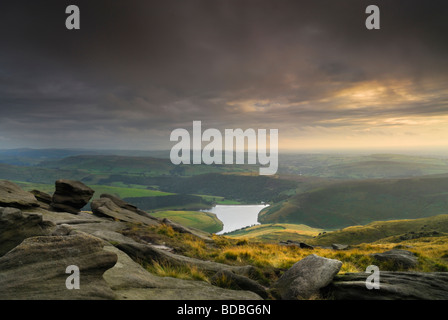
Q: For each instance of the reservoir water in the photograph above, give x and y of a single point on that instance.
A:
(237, 216)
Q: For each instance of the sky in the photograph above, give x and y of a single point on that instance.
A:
(136, 70)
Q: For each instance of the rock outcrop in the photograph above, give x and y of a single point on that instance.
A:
(11, 195)
(124, 205)
(338, 246)
(39, 241)
(36, 269)
(15, 226)
(301, 245)
(106, 207)
(44, 199)
(130, 281)
(306, 277)
(70, 196)
(393, 286)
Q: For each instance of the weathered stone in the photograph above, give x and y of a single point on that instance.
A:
(105, 207)
(148, 253)
(301, 245)
(62, 230)
(71, 196)
(36, 269)
(123, 204)
(306, 277)
(42, 196)
(15, 226)
(337, 246)
(11, 195)
(393, 286)
(132, 282)
(400, 258)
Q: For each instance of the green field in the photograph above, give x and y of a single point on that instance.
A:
(205, 221)
(276, 232)
(121, 192)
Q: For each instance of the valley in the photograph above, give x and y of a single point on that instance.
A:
(332, 212)
(348, 196)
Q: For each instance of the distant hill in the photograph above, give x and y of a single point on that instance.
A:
(387, 231)
(139, 165)
(351, 166)
(360, 202)
(381, 169)
(30, 157)
(394, 231)
(247, 188)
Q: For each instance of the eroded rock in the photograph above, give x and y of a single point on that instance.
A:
(306, 277)
(130, 281)
(71, 196)
(393, 286)
(105, 207)
(36, 269)
(11, 195)
(15, 226)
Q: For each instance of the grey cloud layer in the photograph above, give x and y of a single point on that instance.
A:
(138, 69)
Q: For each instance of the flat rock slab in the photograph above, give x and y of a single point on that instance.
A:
(393, 286)
(15, 226)
(11, 195)
(36, 269)
(130, 281)
(105, 207)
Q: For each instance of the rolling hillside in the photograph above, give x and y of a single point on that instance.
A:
(387, 231)
(351, 166)
(141, 166)
(360, 202)
(394, 231)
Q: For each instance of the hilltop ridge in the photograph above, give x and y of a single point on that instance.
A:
(123, 252)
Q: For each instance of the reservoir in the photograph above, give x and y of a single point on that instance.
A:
(237, 216)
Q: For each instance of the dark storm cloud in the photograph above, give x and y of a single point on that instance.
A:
(138, 69)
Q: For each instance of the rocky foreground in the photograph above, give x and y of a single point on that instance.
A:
(41, 235)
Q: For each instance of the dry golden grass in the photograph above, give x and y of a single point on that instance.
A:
(180, 272)
(431, 252)
(271, 259)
